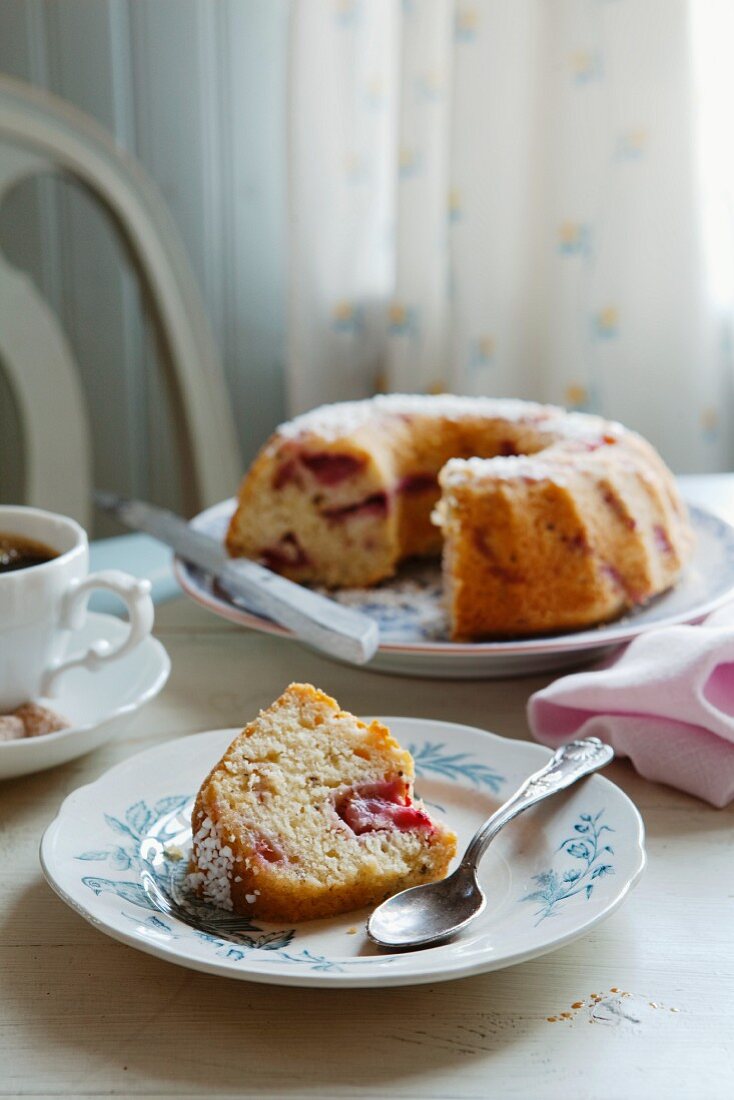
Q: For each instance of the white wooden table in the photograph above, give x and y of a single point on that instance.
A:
(82, 1015)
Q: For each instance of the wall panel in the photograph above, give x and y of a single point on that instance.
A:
(196, 90)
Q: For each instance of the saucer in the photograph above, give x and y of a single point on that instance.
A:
(98, 704)
(549, 877)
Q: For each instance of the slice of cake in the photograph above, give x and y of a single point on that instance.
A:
(310, 813)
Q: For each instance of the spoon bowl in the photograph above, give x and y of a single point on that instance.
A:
(423, 916)
(453, 901)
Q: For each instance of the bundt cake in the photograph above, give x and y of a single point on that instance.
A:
(310, 813)
(548, 520)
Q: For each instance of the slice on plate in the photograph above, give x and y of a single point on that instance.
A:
(310, 813)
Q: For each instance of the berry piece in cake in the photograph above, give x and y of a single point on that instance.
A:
(310, 813)
(332, 469)
(383, 805)
(375, 505)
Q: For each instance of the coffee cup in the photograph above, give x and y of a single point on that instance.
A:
(43, 604)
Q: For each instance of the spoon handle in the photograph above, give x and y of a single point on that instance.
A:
(567, 765)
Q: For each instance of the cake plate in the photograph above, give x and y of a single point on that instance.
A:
(549, 877)
(413, 626)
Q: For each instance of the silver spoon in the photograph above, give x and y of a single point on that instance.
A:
(426, 915)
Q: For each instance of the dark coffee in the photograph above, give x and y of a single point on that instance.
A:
(18, 552)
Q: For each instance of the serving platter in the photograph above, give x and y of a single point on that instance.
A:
(550, 877)
(413, 628)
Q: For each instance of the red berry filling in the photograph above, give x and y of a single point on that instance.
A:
(375, 505)
(288, 554)
(417, 483)
(577, 542)
(594, 444)
(662, 542)
(331, 469)
(384, 805)
(287, 473)
(614, 575)
(617, 506)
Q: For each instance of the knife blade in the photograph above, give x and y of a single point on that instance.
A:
(320, 622)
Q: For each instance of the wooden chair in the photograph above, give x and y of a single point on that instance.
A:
(40, 133)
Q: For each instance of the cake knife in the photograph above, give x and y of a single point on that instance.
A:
(320, 622)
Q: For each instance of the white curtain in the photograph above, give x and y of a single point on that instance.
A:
(518, 198)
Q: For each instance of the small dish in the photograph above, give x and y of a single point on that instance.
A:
(414, 641)
(98, 705)
(551, 876)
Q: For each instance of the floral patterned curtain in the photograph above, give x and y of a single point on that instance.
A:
(510, 197)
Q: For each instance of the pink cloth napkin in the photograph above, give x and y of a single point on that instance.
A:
(666, 701)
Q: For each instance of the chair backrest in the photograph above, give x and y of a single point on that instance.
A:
(40, 133)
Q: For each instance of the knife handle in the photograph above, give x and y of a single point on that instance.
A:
(339, 631)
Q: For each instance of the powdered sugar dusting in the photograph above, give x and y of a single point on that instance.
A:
(458, 471)
(583, 427)
(215, 863)
(331, 422)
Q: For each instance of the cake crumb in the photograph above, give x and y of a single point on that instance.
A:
(172, 851)
(352, 931)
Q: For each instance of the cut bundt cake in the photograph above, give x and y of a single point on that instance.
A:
(310, 813)
(548, 520)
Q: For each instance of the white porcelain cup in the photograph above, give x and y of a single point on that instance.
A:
(41, 606)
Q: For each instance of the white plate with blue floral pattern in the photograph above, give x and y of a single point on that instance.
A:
(550, 876)
(414, 637)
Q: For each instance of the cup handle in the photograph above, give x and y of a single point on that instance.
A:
(134, 592)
